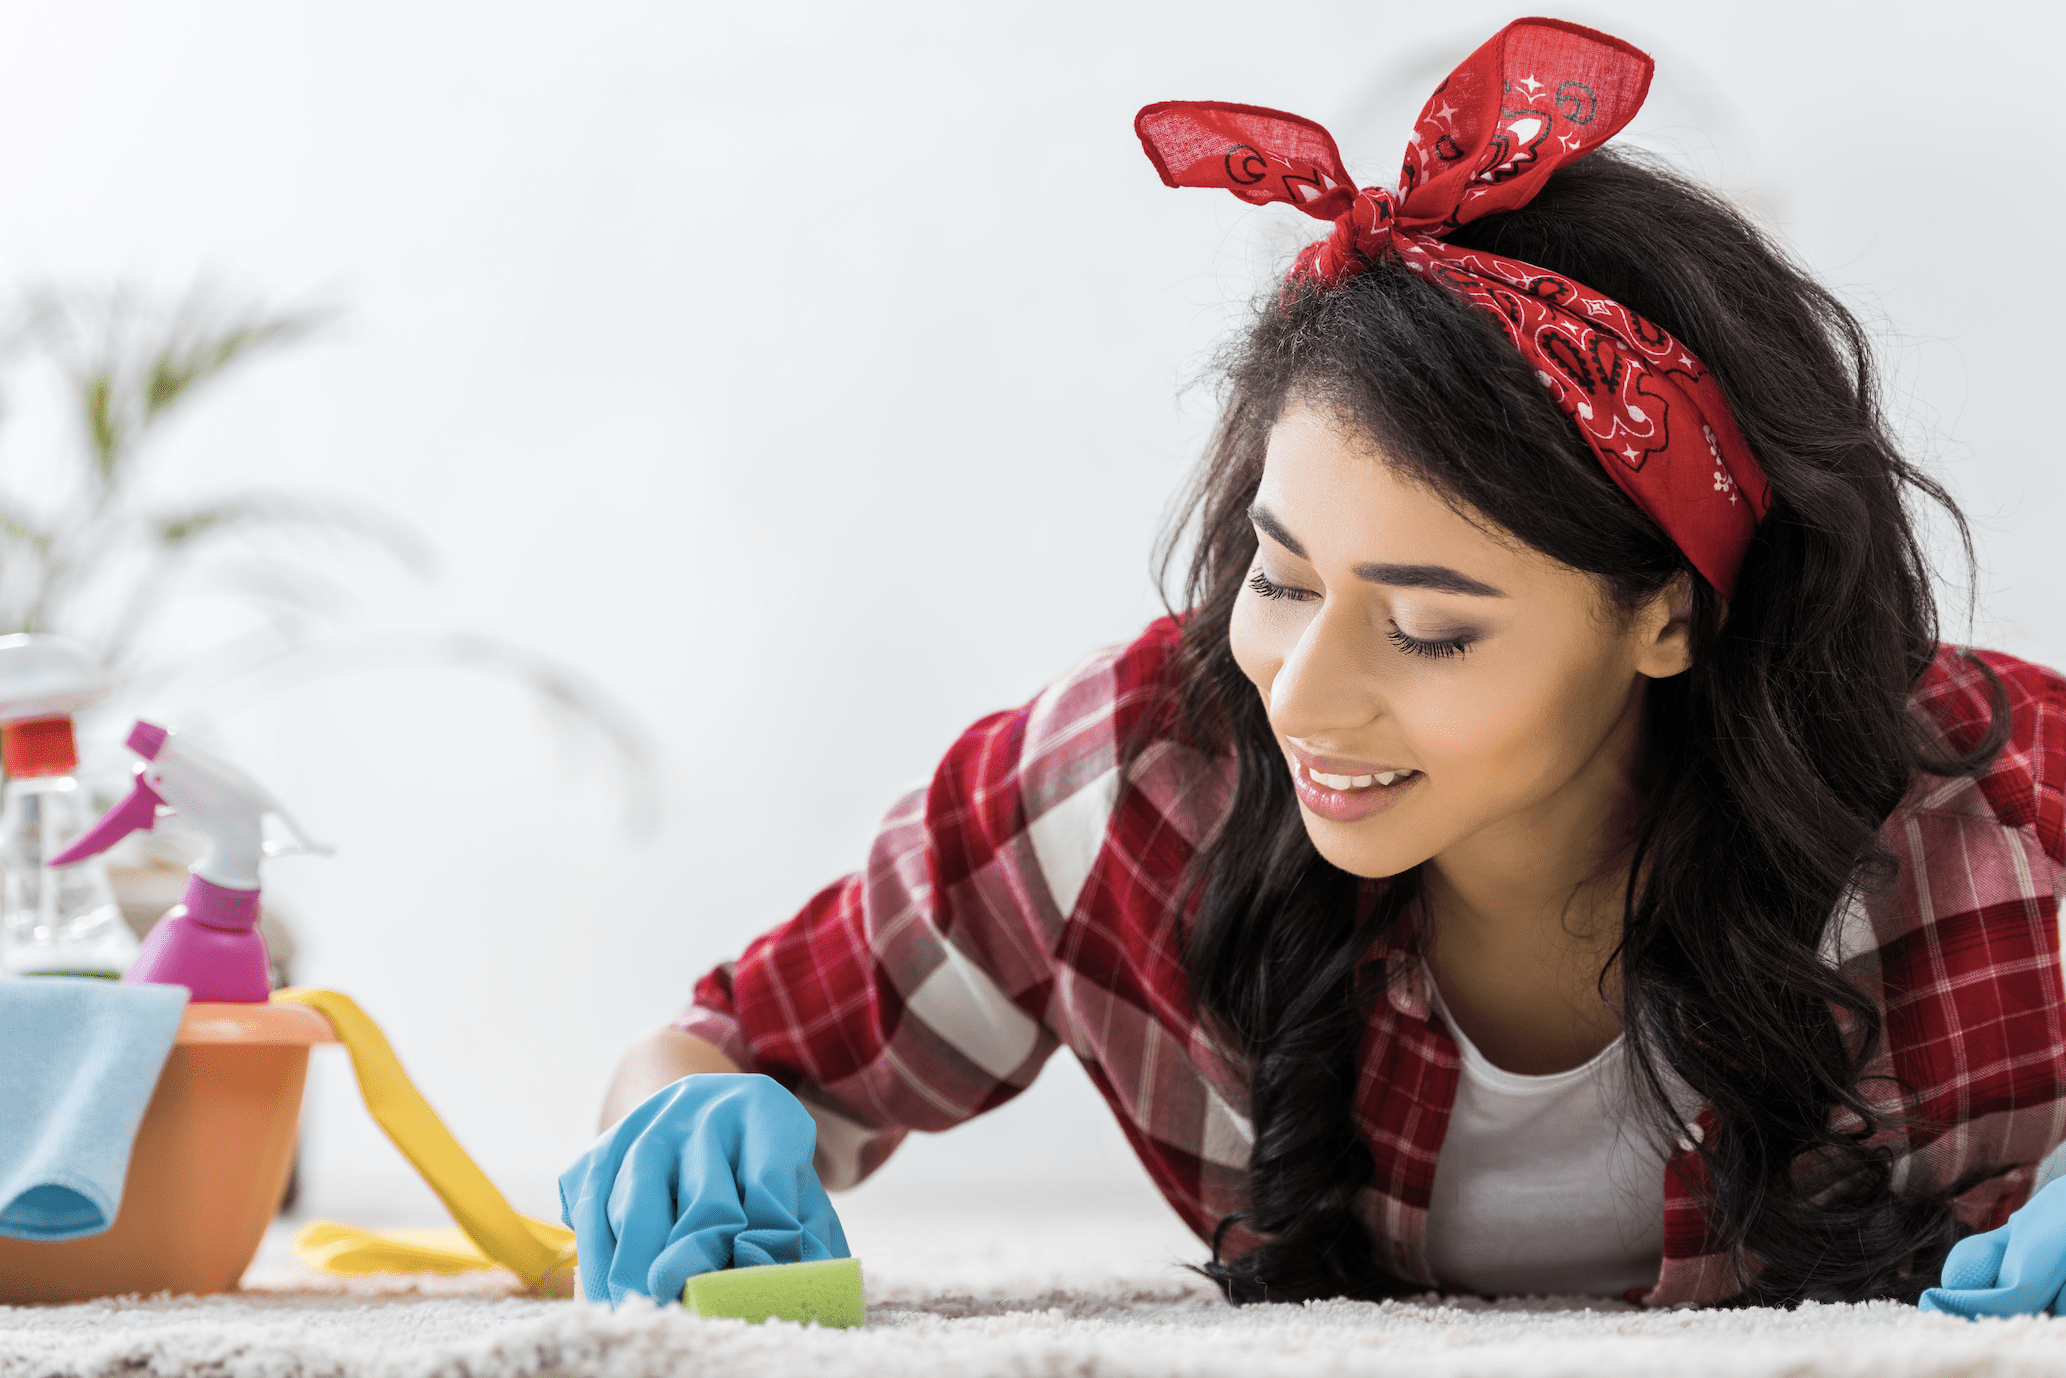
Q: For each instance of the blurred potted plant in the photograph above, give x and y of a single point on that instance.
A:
(91, 549)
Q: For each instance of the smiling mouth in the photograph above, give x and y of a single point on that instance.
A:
(1351, 784)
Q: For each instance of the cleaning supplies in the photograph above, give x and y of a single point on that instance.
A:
(209, 942)
(532, 1249)
(214, 1147)
(63, 1154)
(239, 1110)
(826, 1291)
(206, 1167)
(708, 1173)
(51, 923)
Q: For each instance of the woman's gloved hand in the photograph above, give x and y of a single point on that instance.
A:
(2016, 1270)
(711, 1172)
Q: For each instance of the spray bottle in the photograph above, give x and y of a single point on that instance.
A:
(209, 942)
(50, 924)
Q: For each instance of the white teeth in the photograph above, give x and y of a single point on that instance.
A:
(1354, 782)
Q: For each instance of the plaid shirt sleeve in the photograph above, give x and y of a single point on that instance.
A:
(914, 994)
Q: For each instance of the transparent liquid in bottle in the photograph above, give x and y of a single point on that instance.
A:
(55, 922)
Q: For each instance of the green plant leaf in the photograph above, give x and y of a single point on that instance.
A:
(187, 360)
(103, 425)
(258, 510)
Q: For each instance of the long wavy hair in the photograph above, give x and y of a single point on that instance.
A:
(1768, 767)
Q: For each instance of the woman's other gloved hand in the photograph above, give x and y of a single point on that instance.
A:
(713, 1171)
(2016, 1270)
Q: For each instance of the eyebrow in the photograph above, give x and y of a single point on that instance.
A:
(1440, 578)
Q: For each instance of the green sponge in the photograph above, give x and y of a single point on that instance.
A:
(828, 1292)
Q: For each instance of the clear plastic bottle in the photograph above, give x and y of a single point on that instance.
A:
(51, 922)
(55, 922)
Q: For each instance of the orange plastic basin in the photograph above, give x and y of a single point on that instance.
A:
(208, 1169)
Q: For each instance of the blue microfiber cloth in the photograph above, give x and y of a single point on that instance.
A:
(79, 1059)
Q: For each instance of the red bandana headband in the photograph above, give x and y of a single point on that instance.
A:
(1538, 95)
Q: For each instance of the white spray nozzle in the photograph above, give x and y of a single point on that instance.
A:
(224, 803)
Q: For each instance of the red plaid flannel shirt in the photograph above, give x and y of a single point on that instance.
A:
(1028, 898)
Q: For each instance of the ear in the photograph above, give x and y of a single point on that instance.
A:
(1664, 631)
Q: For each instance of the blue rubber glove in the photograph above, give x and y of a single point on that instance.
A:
(2016, 1270)
(711, 1172)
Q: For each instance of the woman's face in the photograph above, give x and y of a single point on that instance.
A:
(1431, 683)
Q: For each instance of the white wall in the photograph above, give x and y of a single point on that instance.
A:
(812, 376)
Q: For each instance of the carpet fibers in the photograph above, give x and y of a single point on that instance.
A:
(1088, 1296)
(411, 1329)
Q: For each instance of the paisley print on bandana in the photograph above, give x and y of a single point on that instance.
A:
(1539, 94)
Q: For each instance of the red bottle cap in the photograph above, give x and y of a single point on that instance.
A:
(38, 746)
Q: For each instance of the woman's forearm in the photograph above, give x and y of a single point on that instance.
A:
(661, 1058)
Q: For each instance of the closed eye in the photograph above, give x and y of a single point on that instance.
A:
(1433, 650)
(1263, 585)
(1441, 648)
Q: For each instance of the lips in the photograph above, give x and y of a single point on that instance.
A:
(1349, 791)
(1342, 773)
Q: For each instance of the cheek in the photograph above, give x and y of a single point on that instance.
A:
(1500, 741)
(1494, 743)
(1255, 642)
(1470, 739)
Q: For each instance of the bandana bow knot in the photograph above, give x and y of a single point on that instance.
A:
(1362, 234)
(1538, 95)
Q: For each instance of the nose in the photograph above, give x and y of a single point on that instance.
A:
(1325, 687)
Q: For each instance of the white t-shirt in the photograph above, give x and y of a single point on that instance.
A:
(1550, 1185)
(1545, 1185)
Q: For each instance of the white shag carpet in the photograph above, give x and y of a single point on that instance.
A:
(1092, 1291)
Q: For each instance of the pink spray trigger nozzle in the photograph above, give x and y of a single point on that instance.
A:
(137, 813)
(209, 942)
(147, 739)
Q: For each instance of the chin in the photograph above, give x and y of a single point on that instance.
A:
(1372, 858)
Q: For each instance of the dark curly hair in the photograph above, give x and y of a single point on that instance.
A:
(1769, 766)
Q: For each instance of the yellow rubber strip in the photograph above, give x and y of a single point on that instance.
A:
(530, 1248)
(339, 1248)
(335, 1247)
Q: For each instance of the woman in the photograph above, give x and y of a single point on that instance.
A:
(1550, 853)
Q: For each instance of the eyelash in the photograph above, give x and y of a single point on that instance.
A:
(1433, 650)
(1412, 645)
(1260, 582)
